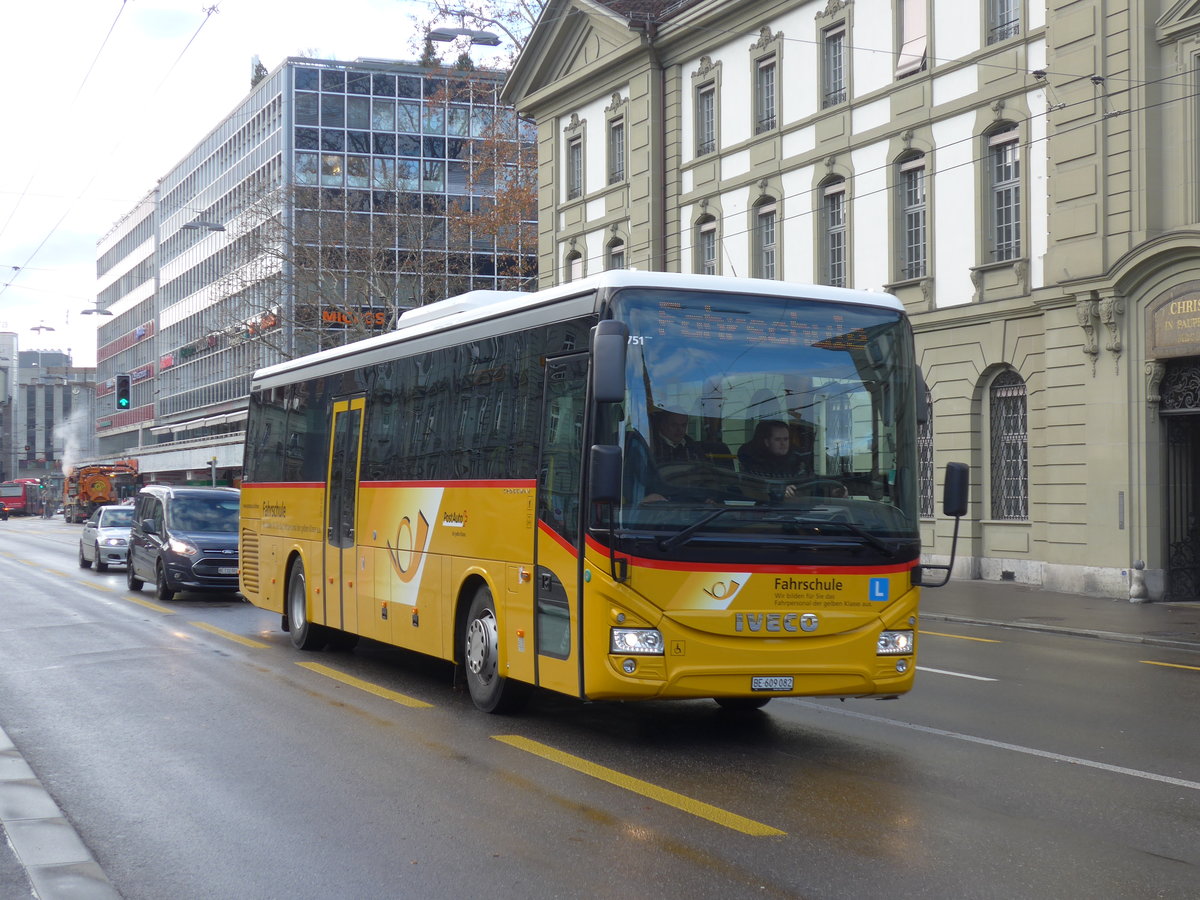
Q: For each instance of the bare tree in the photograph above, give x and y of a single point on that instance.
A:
(512, 20)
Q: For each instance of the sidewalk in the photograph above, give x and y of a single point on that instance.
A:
(1175, 625)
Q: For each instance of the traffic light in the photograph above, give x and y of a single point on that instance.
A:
(122, 392)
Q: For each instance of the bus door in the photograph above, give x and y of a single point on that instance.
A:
(341, 501)
(557, 626)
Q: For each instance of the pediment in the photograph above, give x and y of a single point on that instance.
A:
(573, 39)
(1182, 19)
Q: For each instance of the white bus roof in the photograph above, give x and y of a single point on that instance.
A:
(478, 305)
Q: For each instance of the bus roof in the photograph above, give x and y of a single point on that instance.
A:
(475, 306)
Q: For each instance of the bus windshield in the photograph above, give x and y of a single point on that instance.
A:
(750, 418)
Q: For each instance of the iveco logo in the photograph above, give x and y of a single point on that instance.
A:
(775, 622)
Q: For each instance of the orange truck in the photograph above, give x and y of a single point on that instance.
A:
(91, 486)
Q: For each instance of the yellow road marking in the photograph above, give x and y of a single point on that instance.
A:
(229, 635)
(961, 637)
(365, 686)
(154, 606)
(1151, 662)
(645, 788)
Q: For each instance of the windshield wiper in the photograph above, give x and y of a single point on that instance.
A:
(856, 530)
(682, 537)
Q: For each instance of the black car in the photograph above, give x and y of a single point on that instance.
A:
(184, 539)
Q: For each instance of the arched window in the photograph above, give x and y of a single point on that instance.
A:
(616, 254)
(705, 257)
(833, 232)
(1010, 447)
(766, 238)
(912, 226)
(574, 265)
(1003, 230)
(925, 458)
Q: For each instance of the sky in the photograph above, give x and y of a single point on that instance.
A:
(102, 97)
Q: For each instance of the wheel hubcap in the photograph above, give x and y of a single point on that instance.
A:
(482, 640)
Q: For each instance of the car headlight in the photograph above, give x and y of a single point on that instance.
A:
(179, 545)
(895, 643)
(113, 542)
(640, 641)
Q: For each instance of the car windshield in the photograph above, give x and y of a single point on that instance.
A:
(205, 514)
(117, 517)
(785, 416)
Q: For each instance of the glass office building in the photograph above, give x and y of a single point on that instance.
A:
(336, 195)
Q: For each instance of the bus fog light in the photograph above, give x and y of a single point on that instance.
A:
(645, 641)
(902, 666)
(894, 643)
(629, 666)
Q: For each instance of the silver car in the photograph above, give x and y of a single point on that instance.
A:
(105, 537)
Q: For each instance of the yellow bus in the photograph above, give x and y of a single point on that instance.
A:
(569, 489)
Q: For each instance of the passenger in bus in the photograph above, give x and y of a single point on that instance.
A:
(673, 444)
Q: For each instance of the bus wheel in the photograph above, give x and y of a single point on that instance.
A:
(481, 652)
(305, 634)
(742, 704)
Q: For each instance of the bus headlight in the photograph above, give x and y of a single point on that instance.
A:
(894, 643)
(644, 641)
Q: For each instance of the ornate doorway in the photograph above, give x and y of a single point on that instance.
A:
(1181, 419)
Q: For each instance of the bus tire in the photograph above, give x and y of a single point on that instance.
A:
(490, 691)
(742, 704)
(305, 634)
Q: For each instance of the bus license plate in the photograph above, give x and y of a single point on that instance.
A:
(227, 570)
(771, 683)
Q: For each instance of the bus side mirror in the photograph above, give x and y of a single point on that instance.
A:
(609, 340)
(604, 478)
(956, 489)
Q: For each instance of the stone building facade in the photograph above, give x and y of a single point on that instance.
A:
(1021, 174)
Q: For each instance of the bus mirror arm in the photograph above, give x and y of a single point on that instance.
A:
(604, 489)
(954, 503)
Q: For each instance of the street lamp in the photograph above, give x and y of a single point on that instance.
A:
(41, 327)
(96, 311)
(483, 38)
(202, 225)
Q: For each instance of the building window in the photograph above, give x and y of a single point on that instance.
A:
(1004, 167)
(1004, 20)
(706, 119)
(1010, 448)
(913, 38)
(913, 230)
(925, 458)
(574, 168)
(833, 210)
(706, 247)
(574, 265)
(765, 238)
(616, 254)
(764, 95)
(616, 151)
(833, 62)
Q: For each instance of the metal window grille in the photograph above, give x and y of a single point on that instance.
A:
(1010, 448)
(925, 459)
(1005, 160)
(912, 203)
(765, 96)
(575, 169)
(766, 241)
(1004, 20)
(616, 151)
(834, 74)
(707, 249)
(835, 236)
(706, 120)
